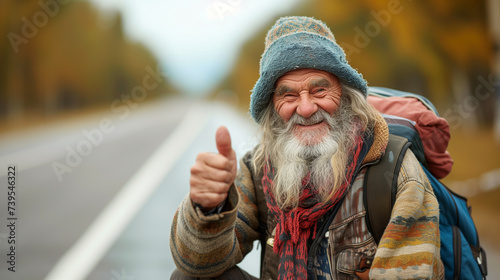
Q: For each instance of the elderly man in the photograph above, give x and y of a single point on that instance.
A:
(300, 190)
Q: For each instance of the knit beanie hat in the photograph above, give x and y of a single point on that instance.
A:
(295, 43)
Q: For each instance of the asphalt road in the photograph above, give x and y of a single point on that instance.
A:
(95, 197)
(52, 212)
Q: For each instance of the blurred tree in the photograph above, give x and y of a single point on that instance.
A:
(62, 55)
(440, 49)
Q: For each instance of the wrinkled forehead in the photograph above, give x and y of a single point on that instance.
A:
(309, 76)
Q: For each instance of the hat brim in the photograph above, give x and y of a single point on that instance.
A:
(299, 51)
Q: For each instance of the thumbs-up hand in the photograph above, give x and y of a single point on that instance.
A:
(212, 174)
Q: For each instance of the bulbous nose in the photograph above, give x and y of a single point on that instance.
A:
(306, 107)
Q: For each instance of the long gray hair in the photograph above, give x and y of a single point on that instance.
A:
(326, 162)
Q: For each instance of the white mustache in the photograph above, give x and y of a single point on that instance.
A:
(316, 118)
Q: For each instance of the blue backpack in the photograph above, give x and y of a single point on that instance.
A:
(461, 253)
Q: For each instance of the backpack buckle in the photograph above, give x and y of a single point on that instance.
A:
(481, 261)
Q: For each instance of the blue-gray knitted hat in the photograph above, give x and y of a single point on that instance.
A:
(294, 43)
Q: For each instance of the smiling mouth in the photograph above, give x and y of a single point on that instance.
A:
(311, 124)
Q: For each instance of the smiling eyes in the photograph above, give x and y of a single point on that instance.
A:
(295, 94)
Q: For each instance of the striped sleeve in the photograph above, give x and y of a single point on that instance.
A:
(206, 246)
(410, 245)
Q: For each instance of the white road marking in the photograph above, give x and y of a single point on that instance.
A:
(80, 259)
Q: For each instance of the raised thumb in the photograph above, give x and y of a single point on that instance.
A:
(223, 141)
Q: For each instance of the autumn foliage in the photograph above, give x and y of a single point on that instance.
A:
(61, 54)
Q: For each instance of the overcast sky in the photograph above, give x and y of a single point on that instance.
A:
(196, 41)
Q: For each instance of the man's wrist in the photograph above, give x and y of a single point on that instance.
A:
(209, 212)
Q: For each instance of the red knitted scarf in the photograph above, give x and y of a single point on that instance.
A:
(295, 226)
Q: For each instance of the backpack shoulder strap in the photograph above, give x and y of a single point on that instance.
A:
(380, 186)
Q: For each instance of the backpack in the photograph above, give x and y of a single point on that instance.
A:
(461, 253)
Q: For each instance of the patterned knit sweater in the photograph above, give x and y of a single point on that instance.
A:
(206, 246)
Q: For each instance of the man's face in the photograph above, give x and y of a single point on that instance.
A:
(304, 92)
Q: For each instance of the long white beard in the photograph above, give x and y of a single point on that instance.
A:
(294, 158)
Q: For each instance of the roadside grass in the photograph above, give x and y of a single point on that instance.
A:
(34, 119)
